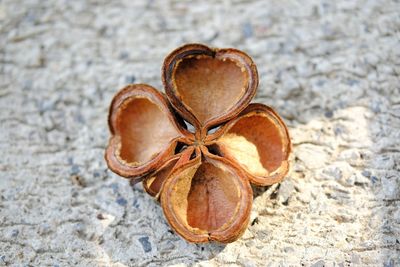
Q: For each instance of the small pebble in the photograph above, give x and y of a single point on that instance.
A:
(389, 263)
(136, 204)
(114, 187)
(288, 249)
(145, 243)
(74, 169)
(130, 79)
(247, 30)
(124, 55)
(366, 174)
(320, 83)
(352, 82)
(329, 114)
(286, 190)
(14, 233)
(319, 263)
(121, 201)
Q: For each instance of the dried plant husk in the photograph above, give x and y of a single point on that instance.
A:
(207, 199)
(258, 142)
(136, 147)
(201, 178)
(209, 86)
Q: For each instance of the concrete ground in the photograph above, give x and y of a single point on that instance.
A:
(331, 68)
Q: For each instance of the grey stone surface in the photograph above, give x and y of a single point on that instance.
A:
(331, 68)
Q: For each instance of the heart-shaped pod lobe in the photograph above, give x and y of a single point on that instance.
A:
(209, 86)
(207, 199)
(258, 141)
(144, 131)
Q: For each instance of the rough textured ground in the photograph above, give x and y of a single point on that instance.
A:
(331, 68)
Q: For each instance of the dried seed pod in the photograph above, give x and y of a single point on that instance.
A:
(202, 179)
(207, 199)
(258, 141)
(135, 148)
(209, 86)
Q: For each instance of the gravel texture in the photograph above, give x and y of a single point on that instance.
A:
(330, 68)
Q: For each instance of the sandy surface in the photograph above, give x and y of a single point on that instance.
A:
(331, 68)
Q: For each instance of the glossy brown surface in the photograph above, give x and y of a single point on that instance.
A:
(202, 179)
(137, 120)
(212, 199)
(122, 153)
(195, 76)
(258, 140)
(207, 199)
(201, 78)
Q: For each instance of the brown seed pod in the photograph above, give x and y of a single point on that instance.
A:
(202, 179)
(135, 149)
(258, 141)
(194, 75)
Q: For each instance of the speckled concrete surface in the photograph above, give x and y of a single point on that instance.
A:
(331, 68)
